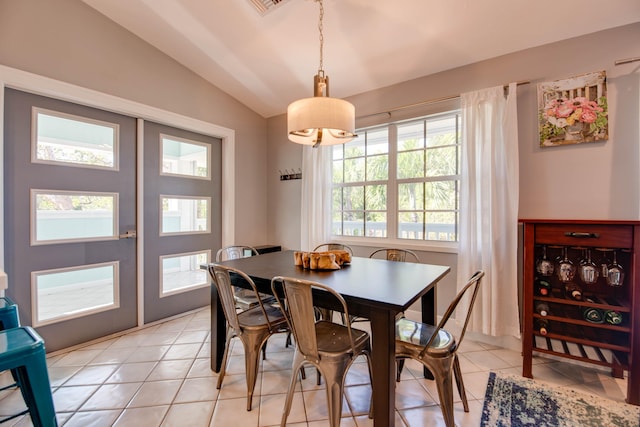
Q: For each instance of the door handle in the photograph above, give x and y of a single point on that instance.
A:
(130, 234)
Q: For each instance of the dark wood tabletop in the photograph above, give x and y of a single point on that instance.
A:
(374, 288)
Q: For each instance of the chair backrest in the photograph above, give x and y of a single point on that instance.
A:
(235, 252)
(473, 286)
(333, 247)
(296, 298)
(221, 277)
(392, 254)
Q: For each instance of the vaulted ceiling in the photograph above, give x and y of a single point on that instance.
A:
(267, 60)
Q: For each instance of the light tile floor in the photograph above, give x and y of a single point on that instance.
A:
(160, 376)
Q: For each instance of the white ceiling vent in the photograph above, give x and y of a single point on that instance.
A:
(264, 6)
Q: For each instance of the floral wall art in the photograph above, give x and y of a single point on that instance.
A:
(573, 110)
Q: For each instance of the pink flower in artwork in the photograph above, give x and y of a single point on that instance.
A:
(565, 109)
(588, 116)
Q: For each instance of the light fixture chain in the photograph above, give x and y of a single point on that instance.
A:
(320, 70)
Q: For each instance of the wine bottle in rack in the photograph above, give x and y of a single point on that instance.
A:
(613, 317)
(542, 326)
(543, 287)
(592, 314)
(573, 291)
(542, 308)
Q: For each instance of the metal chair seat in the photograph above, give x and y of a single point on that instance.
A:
(334, 339)
(254, 318)
(412, 337)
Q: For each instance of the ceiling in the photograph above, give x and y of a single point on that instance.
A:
(268, 60)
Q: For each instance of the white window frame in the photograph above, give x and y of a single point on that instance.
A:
(80, 313)
(164, 136)
(33, 211)
(180, 233)
(162, 293)
(392, 195)
(34, 139)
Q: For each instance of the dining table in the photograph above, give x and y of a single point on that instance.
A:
(376, 289)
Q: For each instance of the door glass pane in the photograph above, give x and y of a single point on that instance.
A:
(67, 293)
(73, 140)
(184, 157)
(184, 215)
(70, 216)
(182, 272)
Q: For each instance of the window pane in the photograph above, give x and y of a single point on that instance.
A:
(183, 157)
(353, 198)
(411, 196)
(376, 198)
(441, 132)
(411, 136)
(377, 142)
(441, 226)
(354, 170)
(355, 148)
(72, 216)
(337, 172)
(376, 224)
(353, 224)
(441, 195)
(378, 168)
(442, 161)
(411, 164)
(76, 141)
(411, 225)
(183, 272)
(184, 215)
(74, 292)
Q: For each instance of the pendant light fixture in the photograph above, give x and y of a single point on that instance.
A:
(321, 120)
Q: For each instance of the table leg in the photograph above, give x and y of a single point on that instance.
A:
(429, 316)
(383, 360)
(218, 330)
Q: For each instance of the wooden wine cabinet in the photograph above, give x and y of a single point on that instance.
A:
(569, 335)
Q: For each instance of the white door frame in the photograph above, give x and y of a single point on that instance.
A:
(29, 82)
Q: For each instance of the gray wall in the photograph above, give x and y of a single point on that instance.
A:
(590, 181)
(68, 41)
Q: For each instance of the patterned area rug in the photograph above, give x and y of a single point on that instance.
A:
(515, 401)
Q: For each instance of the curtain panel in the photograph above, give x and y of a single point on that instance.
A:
(315, 208)
(489, 207)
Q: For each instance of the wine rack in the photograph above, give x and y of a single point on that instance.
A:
(602, 255)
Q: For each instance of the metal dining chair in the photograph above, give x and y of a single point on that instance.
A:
(392, 254)
(245, 298)
(330, 347)
(333, 247)
(436, 348)
(252, 326)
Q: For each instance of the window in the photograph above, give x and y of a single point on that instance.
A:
(74, 141)
(182, 157)
(399, 181)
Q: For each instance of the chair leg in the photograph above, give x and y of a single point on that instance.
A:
(252, 345)
(458, 376)
(334, 376)
(442, 372)
(36, 390)
(298, 360)
(399, 368)
(223, 366)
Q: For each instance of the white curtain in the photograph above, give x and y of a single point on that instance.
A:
(489, 207)
(315, 211)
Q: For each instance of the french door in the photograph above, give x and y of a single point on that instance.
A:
(182, 225)
(70, 213)
(72, 244)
